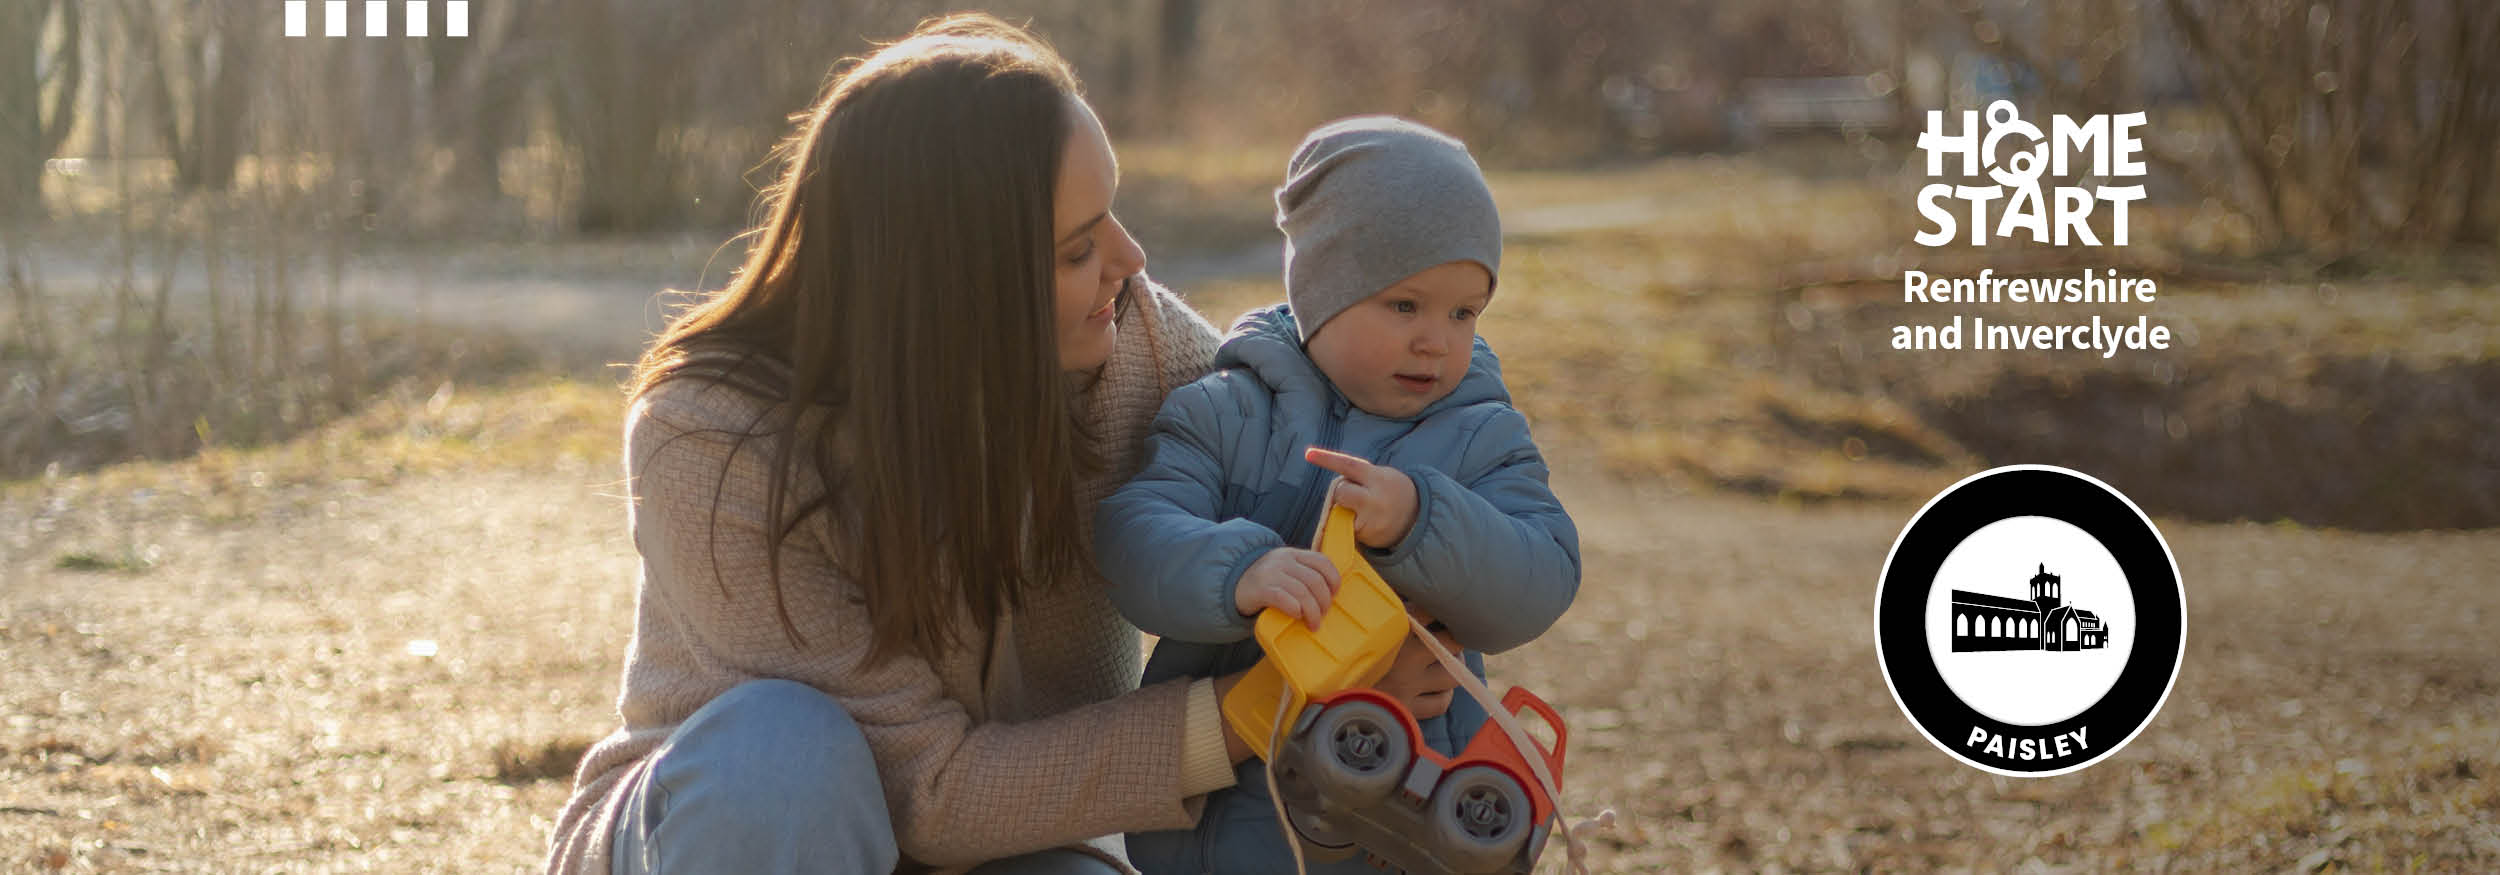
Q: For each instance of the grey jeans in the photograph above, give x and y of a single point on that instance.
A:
(773, 777)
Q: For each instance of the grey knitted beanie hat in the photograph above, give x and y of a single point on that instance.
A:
(1372, 200)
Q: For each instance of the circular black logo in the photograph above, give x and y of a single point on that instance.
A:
(2030, 620)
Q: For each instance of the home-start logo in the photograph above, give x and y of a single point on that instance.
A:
(2016, 199)
(2030, 621)
(2050, 214)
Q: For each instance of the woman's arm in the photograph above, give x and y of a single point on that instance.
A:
(958, 792)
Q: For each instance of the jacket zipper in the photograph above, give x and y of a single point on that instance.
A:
(1305, 528)
(1306, 522)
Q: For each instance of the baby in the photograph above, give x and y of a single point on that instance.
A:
(1371, 386)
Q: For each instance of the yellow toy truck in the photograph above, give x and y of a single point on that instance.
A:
(1352, 769)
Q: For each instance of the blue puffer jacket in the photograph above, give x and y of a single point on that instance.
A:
(1492, 554)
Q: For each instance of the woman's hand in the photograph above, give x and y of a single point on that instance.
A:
(1383, 498)
(1298, 582)
(1235, 749)
(1416, 678)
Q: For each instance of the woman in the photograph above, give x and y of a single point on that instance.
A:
(868, 632)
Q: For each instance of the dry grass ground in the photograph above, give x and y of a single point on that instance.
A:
(376, 648)
(395, 671)
(381, 644)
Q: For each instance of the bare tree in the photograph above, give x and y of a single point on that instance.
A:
(2356, 122)
(622, 86)
(33, 68)
(2350, 123)
(195, 62)
(478, 92)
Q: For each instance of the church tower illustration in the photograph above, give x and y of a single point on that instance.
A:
(2045, 622)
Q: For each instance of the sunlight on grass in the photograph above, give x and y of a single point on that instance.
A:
(543, 424)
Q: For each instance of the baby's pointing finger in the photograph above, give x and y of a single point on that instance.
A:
(1353, 468)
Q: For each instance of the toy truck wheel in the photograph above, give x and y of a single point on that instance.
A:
(1480, 818)
(1362, 750)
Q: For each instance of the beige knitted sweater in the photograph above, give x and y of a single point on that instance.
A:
(1038, 739)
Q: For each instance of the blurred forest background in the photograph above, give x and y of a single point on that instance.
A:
(184, 191)
(310, 551)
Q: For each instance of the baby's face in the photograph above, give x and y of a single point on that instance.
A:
(1396, 352)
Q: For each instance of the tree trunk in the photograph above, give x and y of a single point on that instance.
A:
(220, 55)
(615, 102)
(30, 132)
(478, 93)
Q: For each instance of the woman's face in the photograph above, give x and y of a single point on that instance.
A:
(1096, 257)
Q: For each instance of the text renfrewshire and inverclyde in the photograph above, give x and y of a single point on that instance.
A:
(1987, 288)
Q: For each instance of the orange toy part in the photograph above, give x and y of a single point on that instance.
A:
(1494, 746)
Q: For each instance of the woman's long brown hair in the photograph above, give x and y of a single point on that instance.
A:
(894, 310)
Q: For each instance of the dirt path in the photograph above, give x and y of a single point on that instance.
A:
(600, 299)
(337, 677)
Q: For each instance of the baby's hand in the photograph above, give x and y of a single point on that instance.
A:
(1298, 582)
(1383, 498)
(1416, 678)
